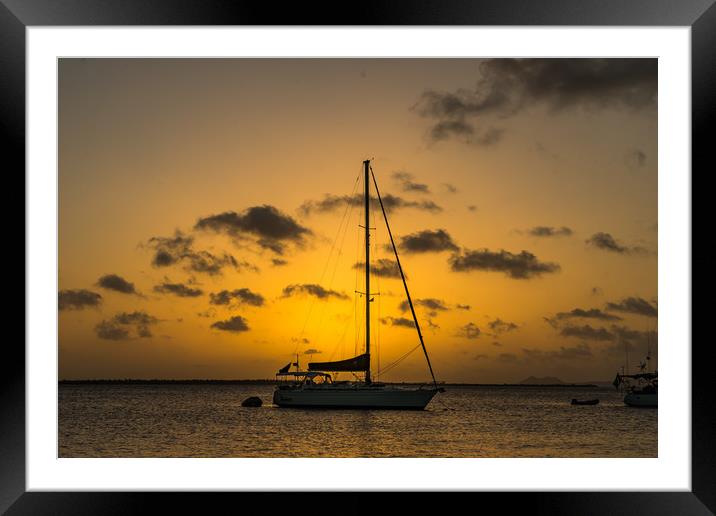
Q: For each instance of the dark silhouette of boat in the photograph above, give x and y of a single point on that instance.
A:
(315, 387)
(575, 401)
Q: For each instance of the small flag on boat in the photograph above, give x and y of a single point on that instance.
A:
(285, 368)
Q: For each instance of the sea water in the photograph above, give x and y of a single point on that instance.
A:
(177, 420)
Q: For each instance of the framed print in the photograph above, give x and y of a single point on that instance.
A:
(422, 250)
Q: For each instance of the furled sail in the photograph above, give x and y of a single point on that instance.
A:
(359, 363)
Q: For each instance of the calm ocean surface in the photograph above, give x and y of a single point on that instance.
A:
(209, 421)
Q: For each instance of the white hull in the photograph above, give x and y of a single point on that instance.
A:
(351, 396)
(641, 400)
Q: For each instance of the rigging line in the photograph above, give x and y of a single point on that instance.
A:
(346, 219)
(405, 284)
(325, 268)
(393, 364)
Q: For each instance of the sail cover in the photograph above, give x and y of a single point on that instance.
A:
(359, 363)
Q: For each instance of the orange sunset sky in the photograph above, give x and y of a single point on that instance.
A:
(208, 226)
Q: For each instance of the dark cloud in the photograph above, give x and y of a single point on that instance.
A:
(462, 307)
(427, 241)
(180, 248)
(312, 351)
(178, 289)
(312, 290)
(469, 331)
(116, 283)
(169, 250)
(405, 180)
(579, 351)
(207, 313)
(77, 299)
(383, 267)
(472, 208)
(241, 296)
(549, 231)
(592, 313)
(398, 321)
(236, 324)
(498, 326)
(464, 132)
(631, 340)
(524, 265)
(278, 262)
(271, 228)
(634, 305)
(586, 332)
(126, 324)
(607, 242)
(507, 358)
(331, 203)
(450, 188)
(635, 158)
(508, 86)
(430, 304)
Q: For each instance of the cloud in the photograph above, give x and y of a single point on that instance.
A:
(398, 321)
(312, 351)
(241, 296)
(548, 231)
(580, 351)
(179, 248)
(278, 262)
(498, 326)
(126, 324)
(271, 228)
(472, 208)
(507, 358)
(235, 324)
(431, 304)
(607, 242)
(312, 290)
(507, 87)
(383, 267)
(592, 313)
(633, 305)
(331, 203)
(116, 283)
(450, 188)
(462, 307)
(469, 331)
(524, 265)
(586, 332)
(427, 241)
(178, 289)
(405, 180)
(635, 158)
(77, 299)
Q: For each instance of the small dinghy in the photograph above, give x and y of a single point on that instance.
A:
(584, 402)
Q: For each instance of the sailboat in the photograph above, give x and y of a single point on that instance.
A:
(315, 387)
(642, 388)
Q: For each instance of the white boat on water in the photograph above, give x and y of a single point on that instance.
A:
(641, 390)
(316, 388)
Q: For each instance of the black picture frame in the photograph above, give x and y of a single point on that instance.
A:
(17, 15)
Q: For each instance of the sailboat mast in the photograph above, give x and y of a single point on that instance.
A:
(366, 166)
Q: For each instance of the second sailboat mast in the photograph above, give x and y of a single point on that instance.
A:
(366, 166)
